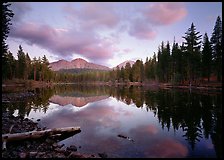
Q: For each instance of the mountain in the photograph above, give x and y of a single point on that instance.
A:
(124, 63)
(76, 101)
(78, 63)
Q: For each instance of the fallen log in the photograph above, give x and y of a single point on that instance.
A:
(125, 137)
(37, 134)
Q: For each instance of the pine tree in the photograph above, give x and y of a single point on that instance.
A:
(216, 41)
(192, 52)
(154, 66)
(34, 66)
(21, 63)
(176, 63)
(122, 74)
(45, 70)
(142, 72)
(174, 60)
(7, 14)
(136, 71)
(127, 72)
(117, 73)
(28, 66)
(159, 65)
(12, 65)
(8, 66)
(206, 57)
(147, 68)
(166, 60)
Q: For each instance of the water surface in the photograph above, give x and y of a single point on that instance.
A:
(158, 123)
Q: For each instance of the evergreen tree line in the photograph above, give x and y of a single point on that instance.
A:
(192, 61)
(25, 68)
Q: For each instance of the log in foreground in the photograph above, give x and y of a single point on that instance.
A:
(38, 134)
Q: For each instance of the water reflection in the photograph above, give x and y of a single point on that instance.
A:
(75, 101)
(163, 123)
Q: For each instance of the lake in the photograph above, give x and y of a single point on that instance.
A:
(131, 121)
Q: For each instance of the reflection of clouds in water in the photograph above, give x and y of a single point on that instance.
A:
(167, 148)
(99, 123)
(97, 114)
(38, 114)
(154, 145)
(145, 129)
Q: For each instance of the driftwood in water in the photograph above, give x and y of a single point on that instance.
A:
(38, 134)
(125, 137)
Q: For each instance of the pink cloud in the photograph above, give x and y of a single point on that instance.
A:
(165, 13)
(85, 35)
(66, 43)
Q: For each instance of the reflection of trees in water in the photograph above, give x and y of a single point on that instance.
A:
(38, 102)
(216, 132)
(191, 123)
(81, 90)
(195, 114)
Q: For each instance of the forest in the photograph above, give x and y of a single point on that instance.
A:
(198, 59)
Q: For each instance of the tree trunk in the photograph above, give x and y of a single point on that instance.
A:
(39, 134)
(34, 72)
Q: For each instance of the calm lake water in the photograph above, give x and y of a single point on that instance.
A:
(158, 123)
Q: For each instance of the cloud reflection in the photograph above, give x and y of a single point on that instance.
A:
(167, 148)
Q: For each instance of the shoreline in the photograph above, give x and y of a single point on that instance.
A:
(207, 87)
(29, 84)
(46, 147)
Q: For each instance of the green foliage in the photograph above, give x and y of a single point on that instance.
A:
(216, 41)
(164, 62)
(127, 73)
(7, 14)
(136, 71)
(7, 58)
(192, 52)
(21, 63)
(8, 66)
(206, 57)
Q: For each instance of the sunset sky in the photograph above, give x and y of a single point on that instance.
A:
(105, 33)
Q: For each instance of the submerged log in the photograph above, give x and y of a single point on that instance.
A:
(38, 134)
(125, 137)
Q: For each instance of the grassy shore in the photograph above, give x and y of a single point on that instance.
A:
(19, 84)
(39, 84)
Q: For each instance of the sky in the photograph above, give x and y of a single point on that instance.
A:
(105, 33)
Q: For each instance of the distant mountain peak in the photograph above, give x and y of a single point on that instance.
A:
(76, 63)
(123, 64)
(78, 59)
